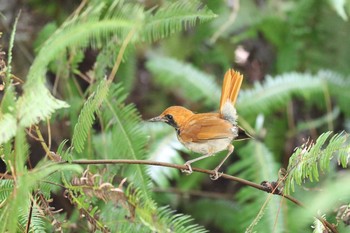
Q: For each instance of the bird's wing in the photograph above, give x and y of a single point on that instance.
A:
(230, 87)
(205, 127)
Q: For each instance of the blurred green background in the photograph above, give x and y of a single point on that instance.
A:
(294, 56)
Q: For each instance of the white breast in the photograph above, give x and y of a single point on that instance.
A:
(209, 147)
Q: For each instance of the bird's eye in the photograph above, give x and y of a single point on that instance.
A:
(170, 117)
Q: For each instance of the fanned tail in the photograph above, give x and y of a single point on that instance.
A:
(230, 87)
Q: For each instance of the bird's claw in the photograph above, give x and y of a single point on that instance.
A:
(188, 171)
(216, 175)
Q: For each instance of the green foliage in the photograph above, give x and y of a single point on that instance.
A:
(265, 97)
(87, 117)
(6, 189)
(257, 164)
(194, 84)
(127, 139)
(308, 159)
(165, 21)
(297, 42)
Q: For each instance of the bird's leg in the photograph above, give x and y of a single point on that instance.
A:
(216, 174)
(188, 163)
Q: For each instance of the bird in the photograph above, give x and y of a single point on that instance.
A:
(208, 133)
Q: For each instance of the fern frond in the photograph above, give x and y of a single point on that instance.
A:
(48, 185)
(90, 27)
(276, 92)
(8, 124)
(264, 97)
(8, 100)
(36, 103)
(310, 158)
(87, 117)
(6, 188)
(9, 57)
(257, 164)
(195, 84)
(65, 154)
(159, 219)
(177, 222)
(128, 139)
(25, 184)
(174, 17)
(37, 221)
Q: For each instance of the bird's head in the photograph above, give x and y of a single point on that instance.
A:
(175, 116)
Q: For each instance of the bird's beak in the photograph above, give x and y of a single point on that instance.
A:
(156, 119)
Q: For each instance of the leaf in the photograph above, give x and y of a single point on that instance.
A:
(36, 104)
(8, 124)
(174, 17)
(87, 117)
(190, 82)
(257, 164)
(308, 159)
(127, 137)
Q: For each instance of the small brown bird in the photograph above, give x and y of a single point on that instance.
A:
(208, 133)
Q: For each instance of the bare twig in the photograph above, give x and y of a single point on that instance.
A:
(120, 54)
(42, 142)
(210, 172)
(182, 167)
(29, 216)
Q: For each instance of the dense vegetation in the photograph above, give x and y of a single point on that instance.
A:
(101, 68)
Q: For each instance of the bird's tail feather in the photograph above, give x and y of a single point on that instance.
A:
(230, 88)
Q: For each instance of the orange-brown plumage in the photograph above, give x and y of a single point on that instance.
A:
(208, 133)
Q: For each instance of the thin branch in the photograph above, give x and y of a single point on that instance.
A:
(29, 216)
(42, 142)
(210, 172)
(49, 133)
(183, 167)
(120, 54)
(6, 176)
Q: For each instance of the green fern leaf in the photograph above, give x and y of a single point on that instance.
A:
(37, 221)
(8, 101)
(90, 27)
(8, 124)
(6, 188)
(160, 219)
(37, 103)
(9, 57)
(26, 182)
(308, 159)
(87, 117)
(174, 17)
(276, 92)
(257, 164)
(128, 139)
(264, 97)
(195, 84)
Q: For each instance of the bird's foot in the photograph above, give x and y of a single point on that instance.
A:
(216, 175)
(188, 171)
